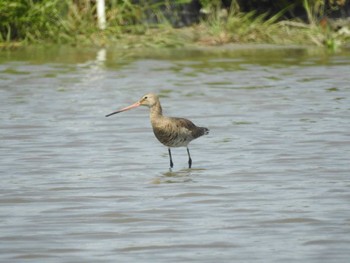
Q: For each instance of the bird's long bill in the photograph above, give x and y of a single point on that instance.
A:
(135, 105)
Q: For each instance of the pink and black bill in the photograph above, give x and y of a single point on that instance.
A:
(135, 105)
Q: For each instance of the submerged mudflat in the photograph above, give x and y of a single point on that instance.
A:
(269, 183)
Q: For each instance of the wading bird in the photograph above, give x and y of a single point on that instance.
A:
(170, 131)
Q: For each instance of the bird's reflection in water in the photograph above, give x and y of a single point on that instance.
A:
(181, 176)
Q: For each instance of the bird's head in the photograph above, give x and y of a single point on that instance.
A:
(148, 100)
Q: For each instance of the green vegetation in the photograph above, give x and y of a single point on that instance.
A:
(238, 27)
(74, 22)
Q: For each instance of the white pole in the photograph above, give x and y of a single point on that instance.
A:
(101, 15)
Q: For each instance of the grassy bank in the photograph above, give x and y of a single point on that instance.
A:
(24, 22)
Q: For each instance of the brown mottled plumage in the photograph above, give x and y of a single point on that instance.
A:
(170, 131)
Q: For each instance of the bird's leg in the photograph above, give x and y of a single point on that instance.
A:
(171, 160)
(189, 158)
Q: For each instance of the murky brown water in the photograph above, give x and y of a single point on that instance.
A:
(270, 183)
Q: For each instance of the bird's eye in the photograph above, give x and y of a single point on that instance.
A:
(145, 97)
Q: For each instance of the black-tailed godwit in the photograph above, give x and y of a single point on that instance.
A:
(170, 131)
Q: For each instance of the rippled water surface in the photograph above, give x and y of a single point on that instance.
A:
(270, 183)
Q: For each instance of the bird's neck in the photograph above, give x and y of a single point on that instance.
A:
(156, 111)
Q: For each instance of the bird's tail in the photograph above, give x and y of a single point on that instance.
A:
(205, 130)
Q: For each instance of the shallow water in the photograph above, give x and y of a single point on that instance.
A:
(269, 183)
